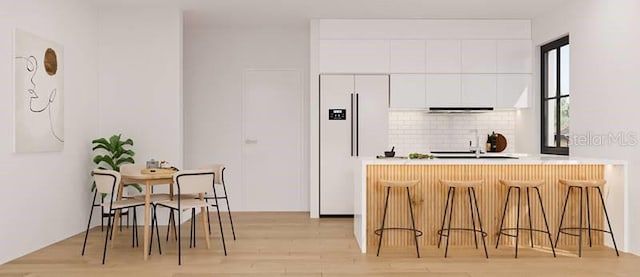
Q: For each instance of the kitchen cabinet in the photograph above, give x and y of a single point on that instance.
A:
(479, 90)
(443, 56)
(478, 56)
(443, 90)
(514, 56)
(513, 90)
(408, 91)
(354, 56)
(406, 56)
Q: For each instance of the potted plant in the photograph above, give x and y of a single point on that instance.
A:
(113, 152)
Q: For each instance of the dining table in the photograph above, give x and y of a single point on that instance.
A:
(148, 180)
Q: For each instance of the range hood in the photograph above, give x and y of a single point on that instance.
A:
(460, 109)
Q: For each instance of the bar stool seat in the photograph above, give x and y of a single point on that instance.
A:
(519, 185)
(388, 184)
(471, 186)
(584, 186)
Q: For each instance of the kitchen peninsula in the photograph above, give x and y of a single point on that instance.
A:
(429, 196)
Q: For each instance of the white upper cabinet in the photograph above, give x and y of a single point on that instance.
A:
(514, 56)
(479, 90)
(408, 91)
(354, 56)
(479, 56)
(443, 56)
(406, 56)
(443, 90)
(513, 90)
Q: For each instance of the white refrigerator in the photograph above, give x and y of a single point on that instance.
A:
(353, 123)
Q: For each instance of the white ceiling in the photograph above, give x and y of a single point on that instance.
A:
(283, 12)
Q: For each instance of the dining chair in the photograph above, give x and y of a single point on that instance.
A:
(189, 183)
(107, 182)
(219, 182)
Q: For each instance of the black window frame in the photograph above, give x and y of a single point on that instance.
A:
(544, 49)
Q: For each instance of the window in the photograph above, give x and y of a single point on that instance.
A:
(555, 88)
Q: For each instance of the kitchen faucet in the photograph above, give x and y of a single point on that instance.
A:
(477, 148)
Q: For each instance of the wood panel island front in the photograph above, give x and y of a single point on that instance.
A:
(429, 196)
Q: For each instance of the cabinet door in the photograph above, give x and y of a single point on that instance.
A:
(443, 90)
(513, 90)
(408, 91)
(407, 56)
(443, 56)
(372, 114)
(479, 56)
(479, 90)
(514, 56)
(354, 56)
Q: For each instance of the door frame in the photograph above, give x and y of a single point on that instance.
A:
(301, 193)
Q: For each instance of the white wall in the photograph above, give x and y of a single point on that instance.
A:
(215, 58)
(604, 84)
(46, 195)
(140, 65)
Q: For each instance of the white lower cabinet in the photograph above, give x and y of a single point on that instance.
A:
(479, 90)
(443, 90)
(408, 91)
(513, 90)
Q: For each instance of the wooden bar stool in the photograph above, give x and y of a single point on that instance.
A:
(519, 185)
(473, 201)
(584, 185)
(398, 184)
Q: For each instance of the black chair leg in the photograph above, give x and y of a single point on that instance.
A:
(155, 218)
(604, 207)
(224, 245)
(518, 221)
(444, 216)
(504, 214)
(193, 227)
(586, 191)
(530, 224)
(473, 222)
(453, 196)
(208, 216)
(226, 199)
(179, 244)
(546, 224)
(564, 210)
(106, 239)
(384, 218)
(580, 227)
(86, 234)
(483, 234)
(413, 223)
(153, 221)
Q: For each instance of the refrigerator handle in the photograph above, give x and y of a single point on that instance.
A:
(357, 125)
(352, 122)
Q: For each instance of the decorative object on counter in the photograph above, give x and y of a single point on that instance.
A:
(391, 153)
(496, 142)
(420, 156)
(164, 164)
(153, 163)
(116, 153)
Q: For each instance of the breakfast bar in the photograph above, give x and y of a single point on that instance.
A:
(429, 196)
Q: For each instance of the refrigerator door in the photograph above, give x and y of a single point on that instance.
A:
(336, 148)
(372, 114)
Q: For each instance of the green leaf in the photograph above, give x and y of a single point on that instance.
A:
(128, 142)
(138, 187)
(113, 141)
(105, 159)
(101, 146)
(128, 152)
(102, 141)
(125, 160)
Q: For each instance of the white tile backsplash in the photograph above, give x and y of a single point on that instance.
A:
(420, 131)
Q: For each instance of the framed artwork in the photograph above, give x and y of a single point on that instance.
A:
(39, 94)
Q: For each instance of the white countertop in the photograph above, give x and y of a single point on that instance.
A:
(522, 159)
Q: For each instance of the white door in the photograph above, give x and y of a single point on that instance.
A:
(272, 141)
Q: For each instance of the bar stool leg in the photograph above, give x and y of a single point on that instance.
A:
(384, 217)
(473, 222)
(453, 196)
(588, 216)
(482, 233)
(444, 216)
(518, 222)
(564, 210)
(580, 227)
(530, 225)
(546, 224)
(413, 223)
(504, 213)
(608, 222)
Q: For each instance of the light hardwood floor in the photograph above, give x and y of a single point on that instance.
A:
(292, 244)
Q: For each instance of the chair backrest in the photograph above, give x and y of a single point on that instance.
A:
(218, 169)
(132, 169)
(106, 180)
(194, 181)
